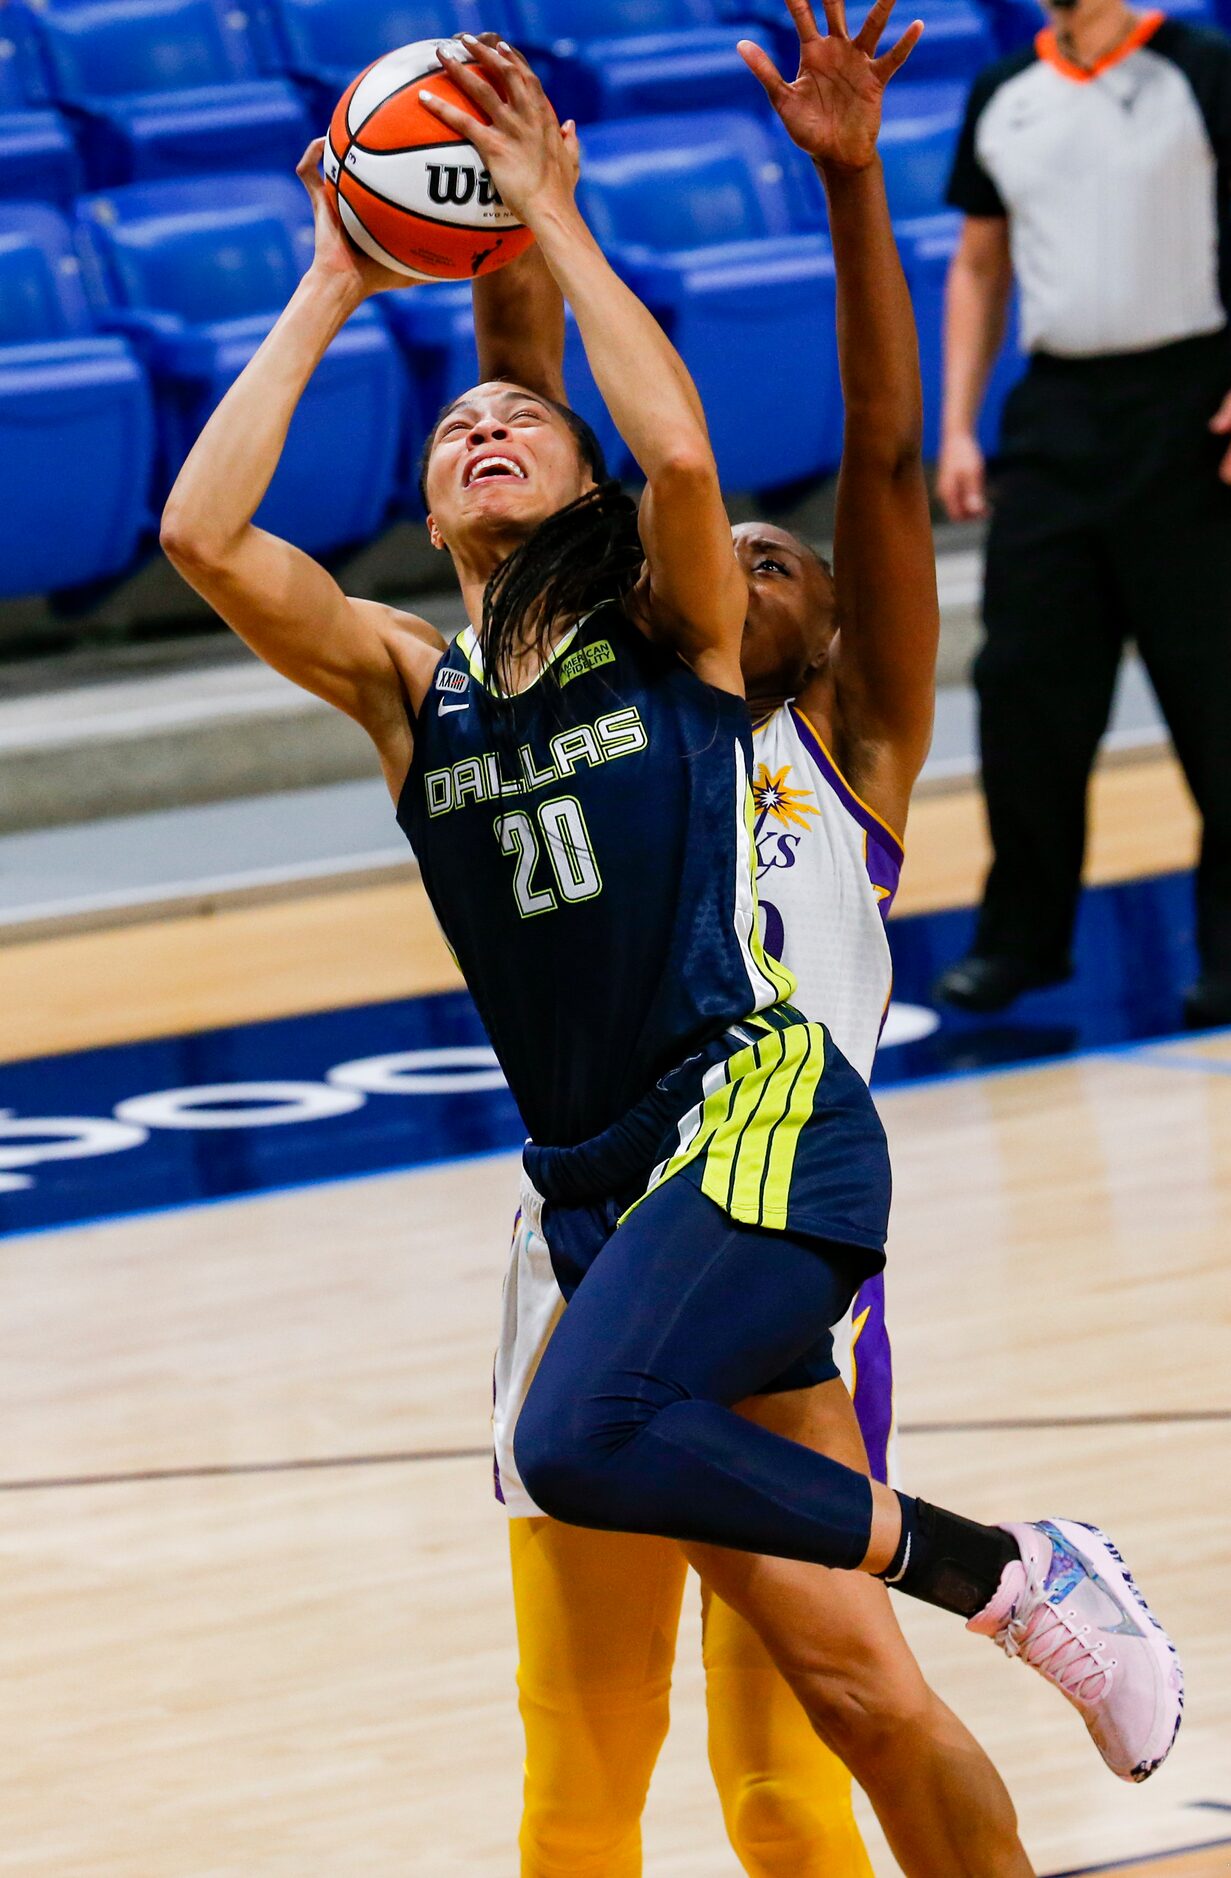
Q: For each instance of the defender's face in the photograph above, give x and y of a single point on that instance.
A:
(790, 610)
(501, 459)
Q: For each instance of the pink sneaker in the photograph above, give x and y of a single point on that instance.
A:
(1072, 1611)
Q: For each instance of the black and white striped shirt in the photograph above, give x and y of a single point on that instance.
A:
(1116, 183)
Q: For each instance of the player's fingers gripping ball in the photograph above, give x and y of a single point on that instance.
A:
(412, 193)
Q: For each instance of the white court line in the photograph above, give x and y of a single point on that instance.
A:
(219, 886)
(102, 713)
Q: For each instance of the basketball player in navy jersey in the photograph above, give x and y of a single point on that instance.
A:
(597, 1613)
(711, 1176)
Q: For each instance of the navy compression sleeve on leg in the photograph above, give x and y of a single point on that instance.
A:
(628, 1425)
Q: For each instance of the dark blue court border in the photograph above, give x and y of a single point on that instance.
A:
(1134, 956)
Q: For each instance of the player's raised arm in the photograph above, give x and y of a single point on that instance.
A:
(695, 591)
(353, 653)
(884, 659)
(519, 319)
(519, 326)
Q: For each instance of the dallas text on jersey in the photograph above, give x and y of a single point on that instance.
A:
(481, 779)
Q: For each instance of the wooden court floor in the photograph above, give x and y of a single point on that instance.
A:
(256, 1620)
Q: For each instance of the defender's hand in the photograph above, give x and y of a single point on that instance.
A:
(833, 109)
(1220, 424)
(337, 259)
(961, 479)
(534, 161)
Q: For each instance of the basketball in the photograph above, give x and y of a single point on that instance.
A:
(411, 193)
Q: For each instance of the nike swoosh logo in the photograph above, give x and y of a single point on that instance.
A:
(446, 710)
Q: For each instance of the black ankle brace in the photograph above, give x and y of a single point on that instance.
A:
(946, 1560)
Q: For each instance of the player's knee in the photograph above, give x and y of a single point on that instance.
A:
(554, 1474)
(582, 1812)
(574, 1448)
(777, 1829)
(556, 1840)
(865, 1714)
(557, 1453)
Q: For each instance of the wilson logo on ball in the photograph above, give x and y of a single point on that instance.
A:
(447, 184)
(412, 193)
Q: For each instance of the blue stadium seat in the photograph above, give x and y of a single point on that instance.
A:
(617, 58)
(1014, 23)
(265, 38)
(928, 245)
(166, 88)
(76, 422)
(930, 100)
(927, 242)
(435, 326)
(917, 152)
(958, 42)
(38, 159)
(325, 42)
(697, 213)
(196, 272)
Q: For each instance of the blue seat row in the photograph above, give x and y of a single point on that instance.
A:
(713, 217)
(156, 88)
(152, 88)
(195, 276)
(715, 221)
(119, 337)
(38, 157)
(136, 90)
(76, 418)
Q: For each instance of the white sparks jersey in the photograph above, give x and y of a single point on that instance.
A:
(828, 870)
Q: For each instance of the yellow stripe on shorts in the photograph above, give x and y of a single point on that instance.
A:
(735, 1161)
(808, 1052)
(747, 1133)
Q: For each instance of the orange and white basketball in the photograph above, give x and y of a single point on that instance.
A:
(411, 193)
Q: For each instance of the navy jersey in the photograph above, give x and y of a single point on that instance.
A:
(588, 849)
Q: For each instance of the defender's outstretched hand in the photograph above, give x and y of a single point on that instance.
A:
(534, 160)
(833, 109)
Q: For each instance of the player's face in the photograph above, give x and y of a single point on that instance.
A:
(501, 460)
(790, 619)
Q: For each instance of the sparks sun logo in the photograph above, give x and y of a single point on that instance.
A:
(775, 799)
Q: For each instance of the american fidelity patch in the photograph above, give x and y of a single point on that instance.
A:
(587, 660)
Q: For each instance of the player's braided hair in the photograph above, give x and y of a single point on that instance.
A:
(578, 559)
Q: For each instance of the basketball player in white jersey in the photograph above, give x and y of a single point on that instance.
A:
(598, 1612)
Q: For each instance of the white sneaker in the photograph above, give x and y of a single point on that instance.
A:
(1071, 1610)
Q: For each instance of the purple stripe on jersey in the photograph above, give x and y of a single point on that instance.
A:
(874, 1376)
(882, 850)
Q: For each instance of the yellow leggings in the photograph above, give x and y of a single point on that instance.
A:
(597, 1616)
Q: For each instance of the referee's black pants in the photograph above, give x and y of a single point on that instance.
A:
(1110, 524)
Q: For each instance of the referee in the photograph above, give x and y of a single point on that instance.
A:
(1095, 167)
